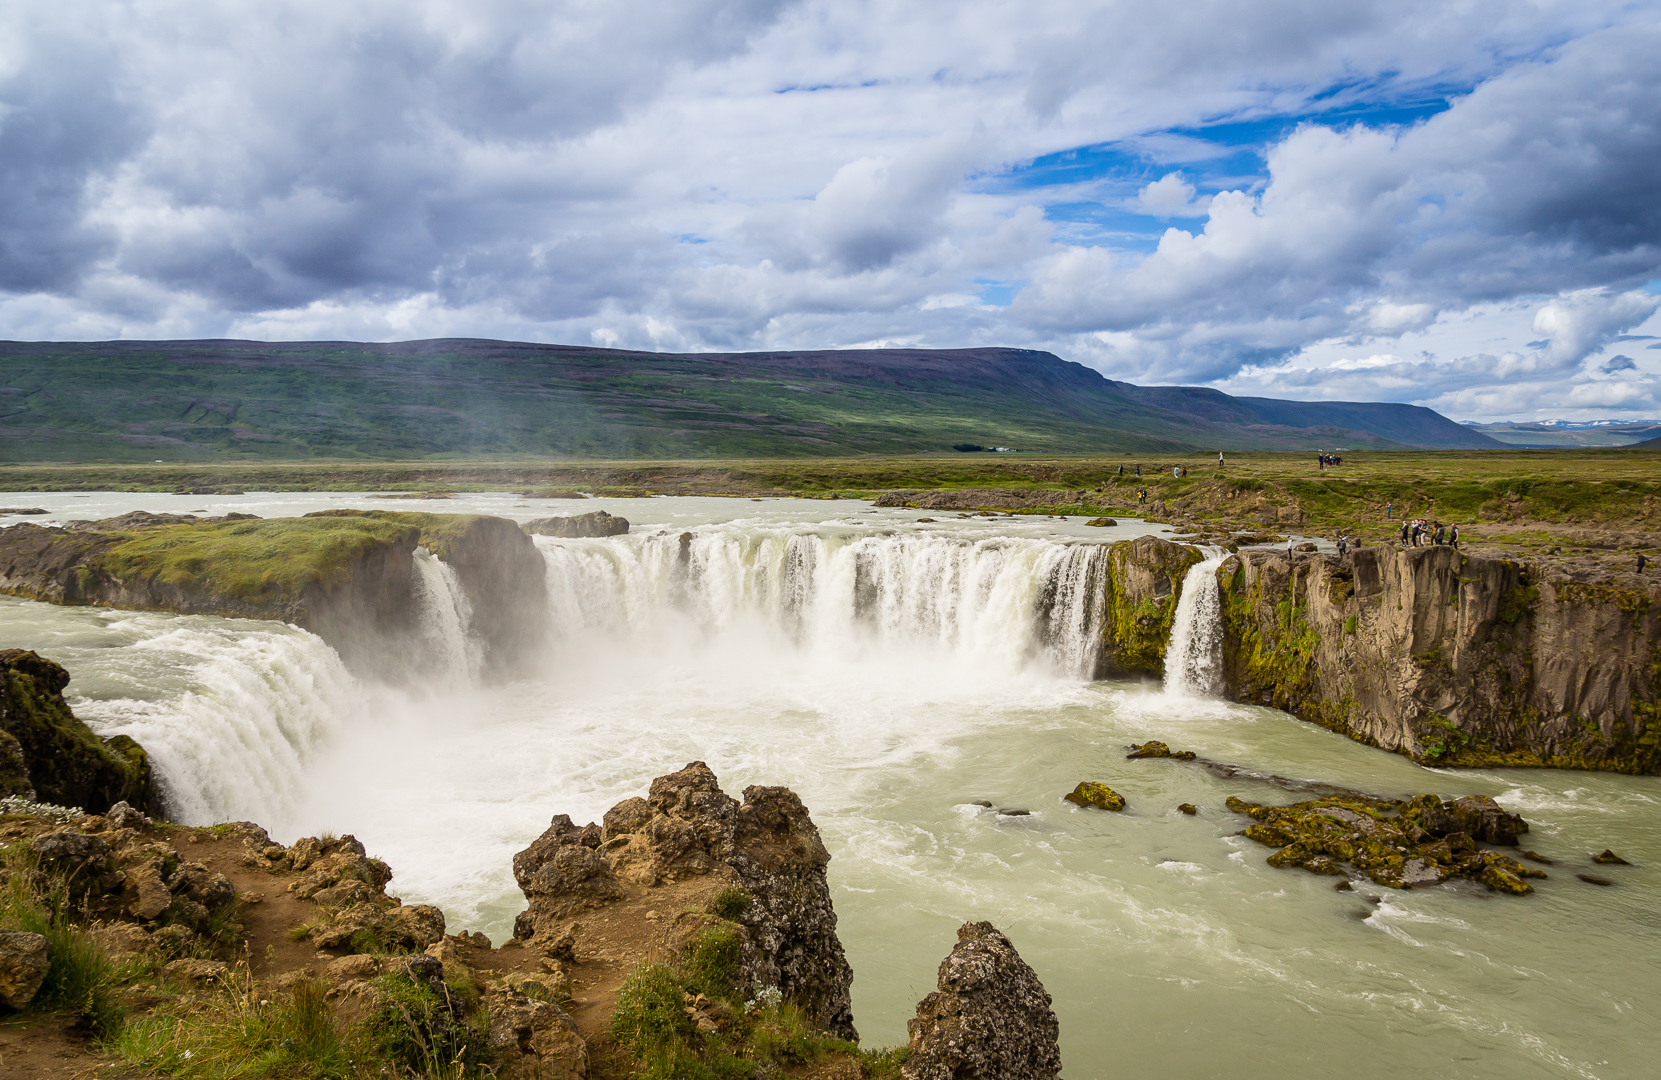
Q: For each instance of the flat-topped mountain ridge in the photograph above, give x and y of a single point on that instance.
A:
(229, 400)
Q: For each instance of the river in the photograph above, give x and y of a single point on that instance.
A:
(894, 674)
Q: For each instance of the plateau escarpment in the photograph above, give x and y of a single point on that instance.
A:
(1448, 658)
(348, 575)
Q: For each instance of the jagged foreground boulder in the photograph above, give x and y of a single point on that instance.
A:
(688, 827)
(990, 1019)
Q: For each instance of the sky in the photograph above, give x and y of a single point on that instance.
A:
(1453, 203)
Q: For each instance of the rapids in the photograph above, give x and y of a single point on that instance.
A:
(893, 673)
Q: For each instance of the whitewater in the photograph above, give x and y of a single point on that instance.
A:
(895, 673)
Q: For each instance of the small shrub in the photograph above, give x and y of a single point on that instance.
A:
(417, 1030)
(732, 902)
(712, 961)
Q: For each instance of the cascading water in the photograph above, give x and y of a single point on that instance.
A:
(1000, 602)
(1193, 659)
(445, 616)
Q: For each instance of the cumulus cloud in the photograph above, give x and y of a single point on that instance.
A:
(1170, 196)
(767, 173)
(1582, 322)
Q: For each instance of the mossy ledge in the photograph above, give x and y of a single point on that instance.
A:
(348, 575)
(1450, 659)
(49, 755)
(1143, 583)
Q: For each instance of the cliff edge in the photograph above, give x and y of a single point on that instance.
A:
(347, 575)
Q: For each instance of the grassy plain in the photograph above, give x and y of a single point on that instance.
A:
(1529, 496)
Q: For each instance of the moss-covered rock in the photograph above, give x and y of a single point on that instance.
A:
(1100, 796)
(1155, 749)
(1144, 580)
(1398, 843)
(45, 751)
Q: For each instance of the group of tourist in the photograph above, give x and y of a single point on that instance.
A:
(1324, 459)
(1418, 531)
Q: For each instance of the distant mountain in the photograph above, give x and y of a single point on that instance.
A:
(454, 398)
(1551, 434)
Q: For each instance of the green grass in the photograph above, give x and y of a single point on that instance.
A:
(83, 981)
(760, 1036)
(257, 561)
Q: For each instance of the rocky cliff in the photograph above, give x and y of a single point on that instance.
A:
(47, 754)
(1143, 582)
(766, 851)
(1449, 658)
(347, 575)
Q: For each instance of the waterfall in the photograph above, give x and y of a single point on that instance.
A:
(445, 616)
(238, 717)
(1193, 659)
(1003, 602)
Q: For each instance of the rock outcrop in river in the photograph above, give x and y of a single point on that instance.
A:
(1448, 658)
(348, 575)
(688, 831)
(48, 754)
(990, 1019)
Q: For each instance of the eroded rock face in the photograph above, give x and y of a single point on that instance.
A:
(1449, 658)
(688, 827)
(990, 1019)
(598, 523)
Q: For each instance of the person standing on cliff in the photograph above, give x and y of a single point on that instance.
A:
(1441, 534)
(1389, 507)
(1219, 459)
(1403, 532)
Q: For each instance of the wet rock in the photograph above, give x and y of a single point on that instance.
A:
(1593, 879)
(598, 523)
(1158, 750)
(1344, 886)
(986, 803)
(1102, 522)
(768, 845)
(990, 1019)
(23, 966)
(1533, 856)
(1014, 811)
(1188, 808)
(1100, 796)
(1388, 841)
(1609, 858)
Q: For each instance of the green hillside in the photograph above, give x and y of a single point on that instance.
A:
(449, 399)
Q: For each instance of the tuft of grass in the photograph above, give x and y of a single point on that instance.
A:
(416, 1030)
(236, 1033)
(83, 981)
(731, 902)
(655, 1021)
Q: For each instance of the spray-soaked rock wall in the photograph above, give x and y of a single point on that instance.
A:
(1450, 658)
